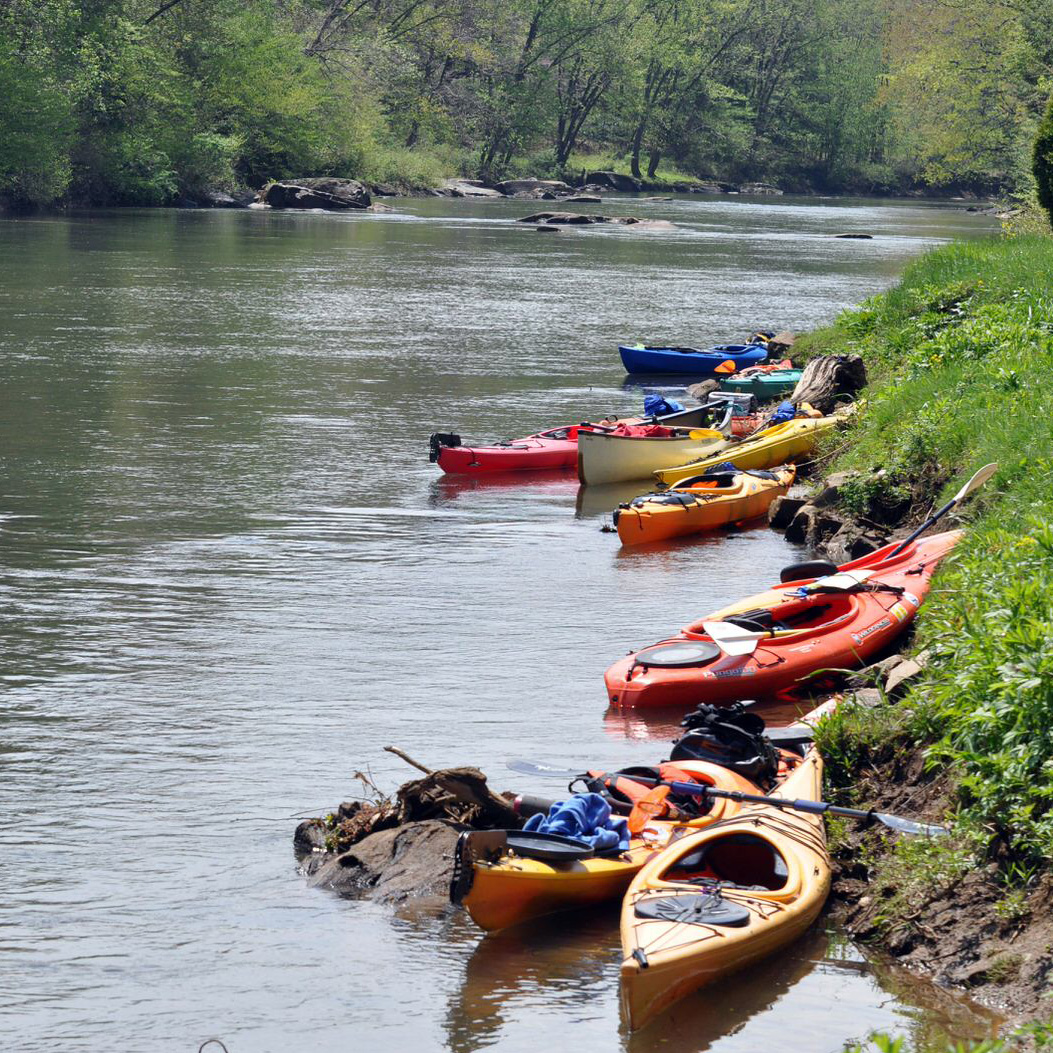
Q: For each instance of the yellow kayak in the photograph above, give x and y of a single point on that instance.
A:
(703, 504)
(508, 889)
(720, 899)
(780, 444)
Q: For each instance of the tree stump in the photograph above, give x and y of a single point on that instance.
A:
(825, 379)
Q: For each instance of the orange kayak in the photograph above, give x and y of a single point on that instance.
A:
(838, 622)
(707, 503)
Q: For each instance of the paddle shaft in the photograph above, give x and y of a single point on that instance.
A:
(924, 526)
(812, 807)
(974, 483)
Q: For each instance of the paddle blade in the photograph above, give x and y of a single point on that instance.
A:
(733, 639)
(909, 826)
(976, 481)
(706, 433)
(725, 367)
(843, 581)
(651, 806)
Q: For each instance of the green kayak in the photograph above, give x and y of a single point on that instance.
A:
(764, 385)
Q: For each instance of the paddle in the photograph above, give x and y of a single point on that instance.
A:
(974, 483)
(893, 822)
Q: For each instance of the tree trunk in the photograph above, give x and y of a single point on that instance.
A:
(637, 146)
(826, 381)
(652, 162)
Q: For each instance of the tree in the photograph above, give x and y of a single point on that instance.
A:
(1043, 160)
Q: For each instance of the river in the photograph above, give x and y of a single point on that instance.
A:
(230, 576)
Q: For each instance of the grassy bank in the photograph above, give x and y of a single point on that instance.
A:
(960, 356)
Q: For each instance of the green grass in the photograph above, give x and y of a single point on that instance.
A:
(960, 356)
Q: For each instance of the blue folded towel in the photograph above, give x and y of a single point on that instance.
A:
(586, 816)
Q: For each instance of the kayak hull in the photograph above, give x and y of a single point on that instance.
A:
(823, 631)
(690, 361)
(556, 448)
(765, 386)
(779, 875)
(603, 458)
(780, 444)
(695, 509)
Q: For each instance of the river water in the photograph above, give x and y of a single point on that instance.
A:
(230, 577)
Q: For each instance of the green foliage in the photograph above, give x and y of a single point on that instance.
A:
(1042, 160)
(1036, 1037)
(961, 352)
(126, 101)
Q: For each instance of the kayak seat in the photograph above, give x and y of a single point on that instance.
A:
(760, 620)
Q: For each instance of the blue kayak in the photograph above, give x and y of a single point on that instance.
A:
(691, 360)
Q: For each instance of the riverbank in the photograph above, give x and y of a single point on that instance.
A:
(959, 353)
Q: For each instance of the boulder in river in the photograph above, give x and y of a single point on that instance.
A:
(517, 187)
(393, 848)
(328, 193)
(762, 189)
(581, 219)
(470, 188)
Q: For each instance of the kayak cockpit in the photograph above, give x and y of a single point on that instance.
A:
(735, 860)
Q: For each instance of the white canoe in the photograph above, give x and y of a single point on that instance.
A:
(606, 458)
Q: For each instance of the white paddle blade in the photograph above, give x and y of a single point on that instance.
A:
(976, 481)
(733, 639)
(844, 580)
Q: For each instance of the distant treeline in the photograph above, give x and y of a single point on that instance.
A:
(144, 101)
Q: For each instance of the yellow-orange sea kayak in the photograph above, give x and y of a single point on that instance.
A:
(718, 900)
(777, 445)
(702, 504)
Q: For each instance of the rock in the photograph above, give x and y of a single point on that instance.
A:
(415, 859)
(828, 495)
(309, 836)
(384, 190)
(583, 199)
(615, 181)
(899, 678)
(581, 219)
(512, 187)
(851, 542)
(469, 188)
(826, 379)
(703, 389)
(811, 525)
(857, 237)
(544, 228)
(760, 188)
(868, 697)
(221, 199)
(782, 511)
(328, 193)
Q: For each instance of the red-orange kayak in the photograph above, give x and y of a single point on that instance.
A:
(800, 628)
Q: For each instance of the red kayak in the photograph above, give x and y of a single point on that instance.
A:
(556, 448)
(764, 646)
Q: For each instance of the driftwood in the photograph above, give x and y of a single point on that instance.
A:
(454, 795)
(826, 380)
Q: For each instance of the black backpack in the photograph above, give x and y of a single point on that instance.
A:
(731, 737)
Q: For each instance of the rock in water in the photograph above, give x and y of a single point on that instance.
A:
(580, 219)
(328, 193)
(826, 378)
(415, 859)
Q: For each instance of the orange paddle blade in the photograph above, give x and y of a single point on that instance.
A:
(646, 809)
(725, 367)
